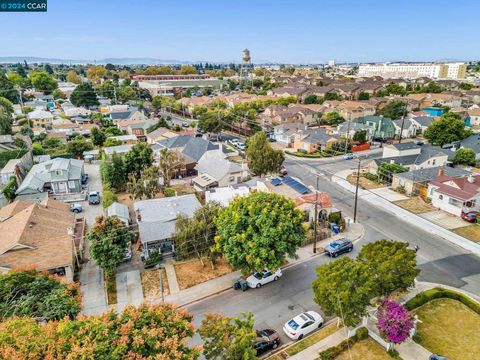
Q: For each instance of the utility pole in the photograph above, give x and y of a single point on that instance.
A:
(403, 121)
(20, 100)
(356, 193)
(315, 220)
(115, 95)
(346, 136)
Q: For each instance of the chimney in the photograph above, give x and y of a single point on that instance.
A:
(441, 172)
(470, 179)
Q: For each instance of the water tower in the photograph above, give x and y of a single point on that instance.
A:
(246, 63)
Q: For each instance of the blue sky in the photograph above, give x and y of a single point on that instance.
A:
(289, 31)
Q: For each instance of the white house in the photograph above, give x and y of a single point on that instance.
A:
(76, 111)
(224, 195)
(455, 194)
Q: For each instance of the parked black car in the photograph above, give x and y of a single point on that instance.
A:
(437, 357)
(338, 247)
(267, 340)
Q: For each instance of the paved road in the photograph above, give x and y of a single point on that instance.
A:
(272, 305)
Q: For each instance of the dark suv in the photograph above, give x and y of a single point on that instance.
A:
(267, 339)
(338, 247)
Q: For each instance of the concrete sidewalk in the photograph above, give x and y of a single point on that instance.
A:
(410, 350)
(225, 282)
(416, 220)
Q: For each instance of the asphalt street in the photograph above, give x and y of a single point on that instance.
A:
(272, 305)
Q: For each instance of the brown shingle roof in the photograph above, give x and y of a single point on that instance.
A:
(36, 235)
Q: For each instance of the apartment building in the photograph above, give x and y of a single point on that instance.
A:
(406, 70)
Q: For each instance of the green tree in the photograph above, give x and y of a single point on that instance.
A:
(432, 87)
(114, 172)
(169, 162)
(385, 170)
(187, 70)
(162, 123)
(395, 89)
(211, 121)
(258, 231)
(44, 82)
(58, 94)
(392, 264)
(5, 121)
(126, 93)
(7, 88)
(333, 118)
(20, 81)
(77, 146)
(10, 188)
(195, 236)
(84, 96)
(48, 69)
(6, 104)
(147, 332)
(111, 141)
(344, 287)
(363, 96)
(146, 187)
(40, 296)
(108, 239)
(360, 136)
(448, 129)
(106, 89)
(465, 86)
(37, 149)
(394, 110)
(97, 136)
(332, 96)
(228, 338)
(465, 156)
(262, 158)
(138, 158)
(112, 131)
(313, 99)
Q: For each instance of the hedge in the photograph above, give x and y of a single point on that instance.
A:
(439, 293)
(305, 155)
(334, 351)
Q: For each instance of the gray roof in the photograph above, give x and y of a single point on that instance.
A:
(424, 120)
(422, 175)
(472, 142)
(217, 167)
(406, 146)
(317, 136)
(120, 149)
(189, 146)
(425, 154)
(354, 126)
(406, 123)
(158, 216)
(40, 174)
(119, 210)
(122, 115)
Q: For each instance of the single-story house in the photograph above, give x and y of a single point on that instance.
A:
(473, 118)
(119, 210)
(125, 139)
(129, 116)
(285, 133)
(156, 221)
(416, 181)
(224, 195)
(76, 111)
(383, 127)
(160, 134)
(38, 235)
(41, 117)
(455, 194)
(471, 142)
(313, 140)
(422, 122)
(287, 186)
(119, 149)
(408, 128)
(306, 203)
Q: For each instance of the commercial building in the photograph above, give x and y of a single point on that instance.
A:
(406, 70)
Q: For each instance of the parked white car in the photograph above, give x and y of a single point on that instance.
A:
(302, 325)
(261, 278)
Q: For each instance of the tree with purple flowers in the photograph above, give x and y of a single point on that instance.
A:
(394, 321)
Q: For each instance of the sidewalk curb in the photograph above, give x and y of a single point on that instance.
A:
(287, 266)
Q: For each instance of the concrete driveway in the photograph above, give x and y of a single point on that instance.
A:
(389, 194)
(444, 219)
(129, 289)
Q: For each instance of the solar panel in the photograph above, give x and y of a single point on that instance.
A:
(295, 185)
(276, 181)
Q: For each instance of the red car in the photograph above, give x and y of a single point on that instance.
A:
(470, 216)
(283, 171)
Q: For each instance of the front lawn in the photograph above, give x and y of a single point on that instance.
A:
(191, 273)
(449, 328)
(415, 205)
(312, 339)
(367, 349)
(151, 284)
(364, 183)
(471, 232)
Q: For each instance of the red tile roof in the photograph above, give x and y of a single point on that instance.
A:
(461, 188)
(324, 200)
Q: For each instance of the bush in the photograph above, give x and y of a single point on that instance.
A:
(394, 353)
(335, 217)
(400, 189)
(10, 188)
(303, 153)
(109, 197)
(169, 192)
(438, 293)
(370, 176)
(362, 333)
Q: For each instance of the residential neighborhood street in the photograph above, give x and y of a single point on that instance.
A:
(440, 261)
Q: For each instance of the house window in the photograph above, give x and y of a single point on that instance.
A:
(470, 203)
(433, 162)
(58, 172)
(71, 184)
(440, 197)
(454, 202)
(231, 178)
